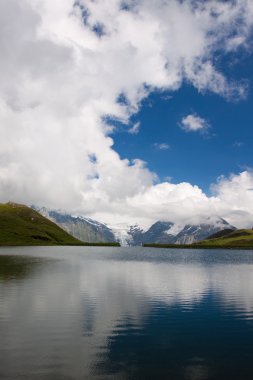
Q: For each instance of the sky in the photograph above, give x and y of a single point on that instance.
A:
(128, 111)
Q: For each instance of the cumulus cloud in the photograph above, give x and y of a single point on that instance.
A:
(194, 123)
(63, 67)
(232, 199)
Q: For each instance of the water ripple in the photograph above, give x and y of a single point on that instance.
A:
(75, 313)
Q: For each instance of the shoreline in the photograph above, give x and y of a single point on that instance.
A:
(189, 246)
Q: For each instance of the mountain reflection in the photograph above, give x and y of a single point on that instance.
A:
(14, 267)
(108, 316)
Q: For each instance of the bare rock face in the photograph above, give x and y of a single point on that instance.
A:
(82, 228)
(161, 232)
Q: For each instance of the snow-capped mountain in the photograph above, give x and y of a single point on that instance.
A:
(165, 232)
(156, 232)
(82, 228)
(121, 233)
(192, 233)
(161, 232)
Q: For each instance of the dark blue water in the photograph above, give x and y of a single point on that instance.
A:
(115, 313)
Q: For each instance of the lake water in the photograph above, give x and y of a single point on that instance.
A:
(74, 313)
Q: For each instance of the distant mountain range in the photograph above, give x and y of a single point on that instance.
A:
(21, 225)
(161, 232)
(169, 233)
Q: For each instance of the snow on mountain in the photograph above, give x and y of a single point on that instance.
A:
(161, 232)
(165, 232)
(174, 229)
(120, 232)
(85, 229)
(127, 235)
(193, 233)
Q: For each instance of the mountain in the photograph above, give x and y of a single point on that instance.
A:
(82, 228)
(219, 234)
(163, 232)
(121, 233)
(21, 225)
(235, 239)
(157, 232)
(134, 235)
(195, 233)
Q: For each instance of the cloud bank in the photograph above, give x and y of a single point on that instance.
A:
(65, 66)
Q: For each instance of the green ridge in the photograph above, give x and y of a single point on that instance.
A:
(241, 239)
(20, 225)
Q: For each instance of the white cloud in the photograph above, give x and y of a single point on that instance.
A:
(162, 146)
(59, 79)
(194, 123)
(135, 129)
(232, 199)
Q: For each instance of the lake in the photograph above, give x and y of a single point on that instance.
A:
(70, 313)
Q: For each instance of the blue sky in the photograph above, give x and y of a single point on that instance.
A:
(195, 157)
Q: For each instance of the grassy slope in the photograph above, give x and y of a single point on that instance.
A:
(238, 238)
(20, 225)
(235, 239)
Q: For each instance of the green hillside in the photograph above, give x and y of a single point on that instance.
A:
(20, 225)
(242, 239)
(234, 239)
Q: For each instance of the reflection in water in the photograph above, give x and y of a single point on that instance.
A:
(126, 315)
(13, 267)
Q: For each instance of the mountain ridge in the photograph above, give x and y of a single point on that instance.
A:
(166, 232)
(238, 238)
(160, 232)
(82, 228)
(21, 225)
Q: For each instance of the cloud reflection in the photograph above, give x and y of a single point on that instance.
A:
(88, 316)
